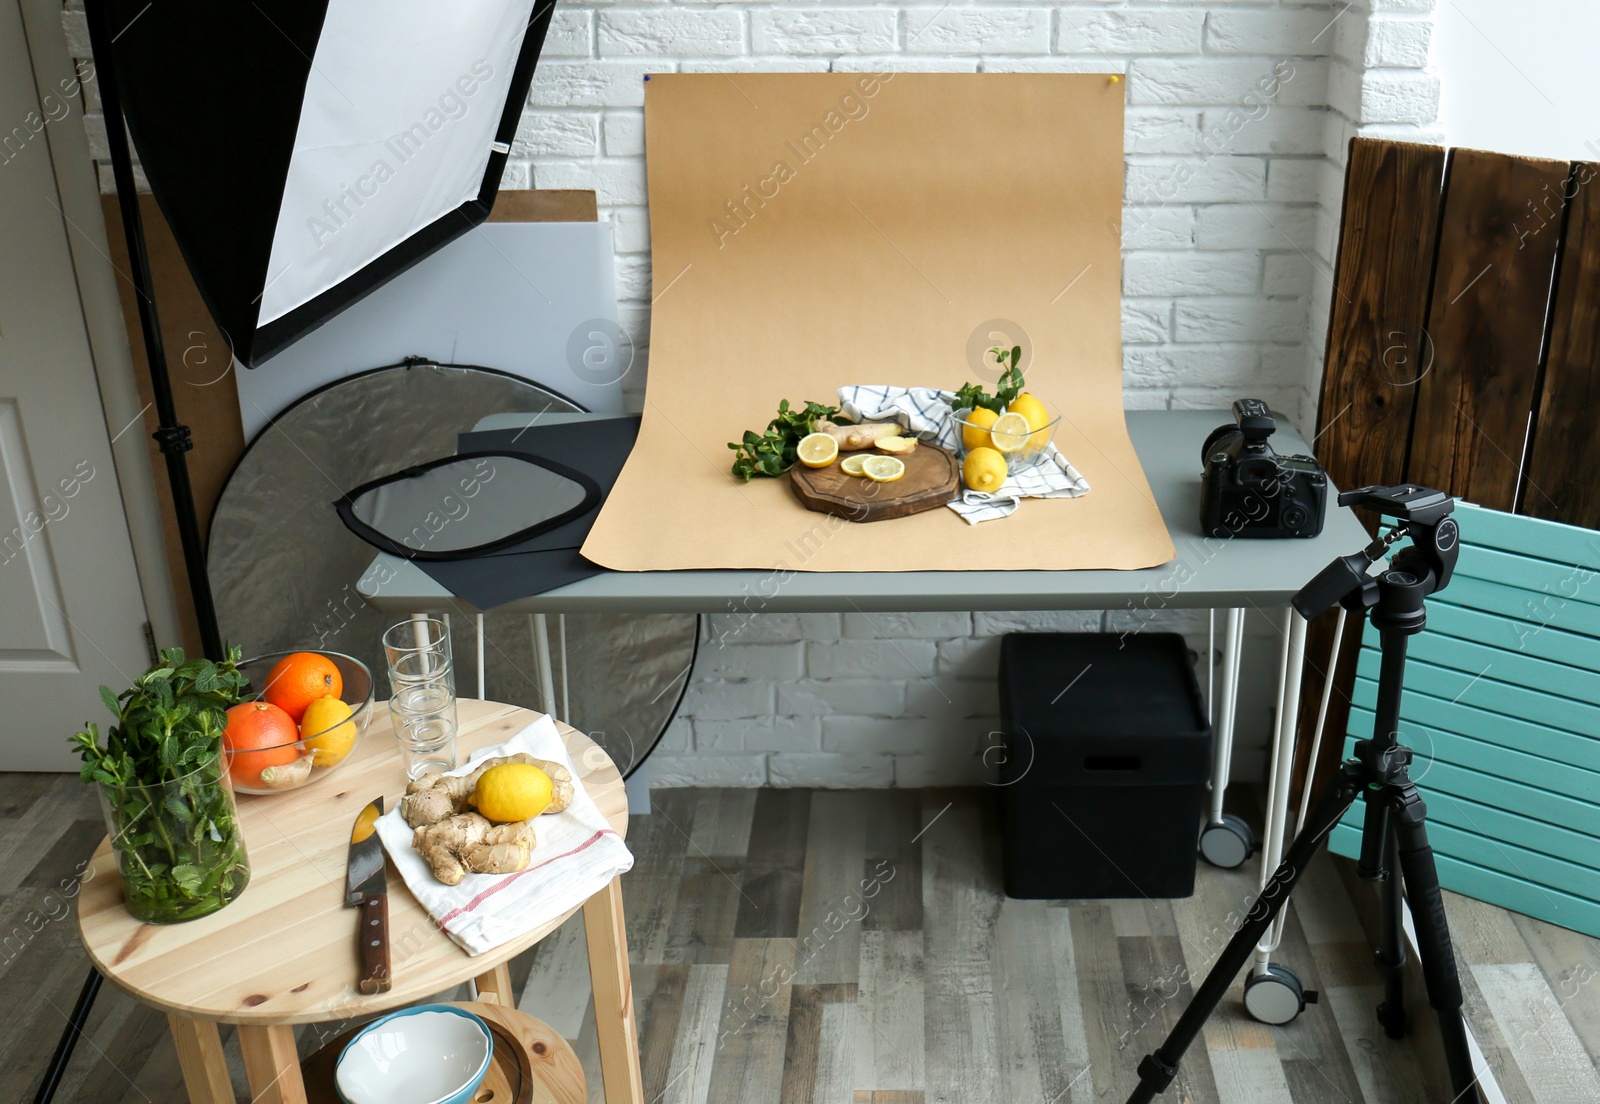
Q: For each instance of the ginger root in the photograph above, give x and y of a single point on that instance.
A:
(854, 437)
(468, 843)
(433, 797)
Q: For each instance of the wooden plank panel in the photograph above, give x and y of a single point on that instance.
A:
(1438, 749)
(1505, 890)
(1376, 349)
(1375, 343)
(775, 866)
(1514, 636)
(1563, 480)
(1546, 540)
(1487, 322)
(1559, 679)
(1485, 690)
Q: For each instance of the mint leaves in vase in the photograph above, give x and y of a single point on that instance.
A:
(164, 790)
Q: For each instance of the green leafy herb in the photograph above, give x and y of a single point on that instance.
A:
(972, 395)
(772, 452)
(162, 771)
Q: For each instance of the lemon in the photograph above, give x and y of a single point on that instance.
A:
(1038, 418)
(975, 433)
(817, 450)
(512, 791)
(330, 732)
(984, 469)
(883, 469)
(1009, 432)
(851, 465)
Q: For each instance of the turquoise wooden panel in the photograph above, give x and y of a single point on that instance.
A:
(1485, 691)
(1502, 706)
(1520, 668)
(1523, 637)
(1485, 884)
(1577, 582)
(1479, 724)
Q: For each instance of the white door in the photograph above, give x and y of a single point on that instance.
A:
(71, 614)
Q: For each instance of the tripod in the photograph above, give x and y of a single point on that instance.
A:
(1394, 838)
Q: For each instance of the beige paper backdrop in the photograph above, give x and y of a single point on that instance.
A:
(816, 230)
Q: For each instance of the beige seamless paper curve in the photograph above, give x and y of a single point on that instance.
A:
(821, 229)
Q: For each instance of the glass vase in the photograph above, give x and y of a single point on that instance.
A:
(177, 844)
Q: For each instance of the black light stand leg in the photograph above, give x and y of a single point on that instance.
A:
(171, 435)
(69, 1039)
(1158, 1070)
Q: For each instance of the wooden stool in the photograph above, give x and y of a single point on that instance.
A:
(284, 953)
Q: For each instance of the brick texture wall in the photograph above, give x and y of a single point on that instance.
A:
(1238, 116)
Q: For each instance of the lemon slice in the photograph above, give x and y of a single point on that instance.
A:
(817, 450)
(1010, 432)
(883, 469)
(852, 464)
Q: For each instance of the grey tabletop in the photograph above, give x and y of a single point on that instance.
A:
(1206, 573)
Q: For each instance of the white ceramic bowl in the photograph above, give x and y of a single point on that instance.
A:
(431, 1054)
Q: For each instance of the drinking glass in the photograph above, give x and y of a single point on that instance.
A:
(422, 700)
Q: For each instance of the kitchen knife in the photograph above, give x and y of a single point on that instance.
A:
(365, 888)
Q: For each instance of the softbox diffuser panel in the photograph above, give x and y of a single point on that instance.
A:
(306, 153)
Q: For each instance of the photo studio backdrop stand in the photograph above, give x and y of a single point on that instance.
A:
(240, 221)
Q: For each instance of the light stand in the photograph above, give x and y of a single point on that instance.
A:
(171, 435)
(1394, 842)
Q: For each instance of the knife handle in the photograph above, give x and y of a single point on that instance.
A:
(374, 939)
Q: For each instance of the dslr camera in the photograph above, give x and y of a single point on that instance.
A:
(1249, 490)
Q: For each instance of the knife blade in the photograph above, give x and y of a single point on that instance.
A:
(366, 888)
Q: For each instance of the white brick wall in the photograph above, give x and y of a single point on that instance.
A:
(1239, 112)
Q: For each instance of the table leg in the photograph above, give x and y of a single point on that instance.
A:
(615, 1028)
(1280, 779)
(494, 986)
(200, 1057)
(271, 1064)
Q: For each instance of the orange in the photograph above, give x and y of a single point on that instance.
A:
(259, 735)
(299, 679)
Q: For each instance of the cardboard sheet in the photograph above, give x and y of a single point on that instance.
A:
(815, 230)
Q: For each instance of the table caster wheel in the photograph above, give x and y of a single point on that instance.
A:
(1275, 996)
(1227, 844)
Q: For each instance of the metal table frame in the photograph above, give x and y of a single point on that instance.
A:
(1207, 573)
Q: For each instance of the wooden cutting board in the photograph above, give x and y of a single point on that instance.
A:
(932, 478)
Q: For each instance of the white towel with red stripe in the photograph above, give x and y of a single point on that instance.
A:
(576, 855)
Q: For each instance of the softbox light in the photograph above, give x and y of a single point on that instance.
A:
(305, 152)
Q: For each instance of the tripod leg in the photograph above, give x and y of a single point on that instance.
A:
(1434, 949)
(1391, 952)
(1157, 1070)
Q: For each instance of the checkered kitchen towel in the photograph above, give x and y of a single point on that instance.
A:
(926, 412)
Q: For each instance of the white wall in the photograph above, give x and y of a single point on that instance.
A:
(1521, 76)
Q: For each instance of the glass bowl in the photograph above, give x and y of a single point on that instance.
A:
(292, 765)
(1020, 452)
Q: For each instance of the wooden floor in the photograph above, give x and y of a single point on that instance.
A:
(853, 947)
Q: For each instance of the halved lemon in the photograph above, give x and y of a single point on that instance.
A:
(1010, 432)
(883, 469)
(851, 465)
(817, 450)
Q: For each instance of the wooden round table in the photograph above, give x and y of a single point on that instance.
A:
(284, 953)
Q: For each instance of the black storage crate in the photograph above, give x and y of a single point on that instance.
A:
(1108, 753)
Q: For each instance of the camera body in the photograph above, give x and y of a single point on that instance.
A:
(1249, 490)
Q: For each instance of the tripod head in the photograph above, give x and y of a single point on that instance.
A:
(1422, 568)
